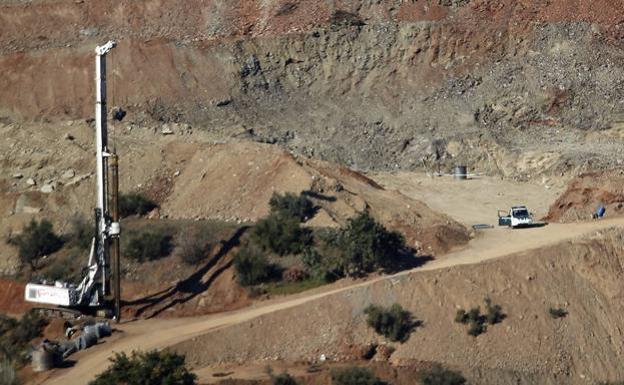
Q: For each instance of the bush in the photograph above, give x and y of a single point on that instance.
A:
(147, 245)
(323, 262)
(7, 373)
(283, 379)
(494, 312)
(476, 328)
(147, 368)
(289, 204)
(15, 335)
(461, 316)
(394, 322)
(477, 321)
(367, 246)
(60, 269)
(281, 234)
(441, 376)
(36, 240)
(135, 204)
(82, 232)
(557, 312)
(294, 274)
(193, 246)
(354, 376)
(252, 266)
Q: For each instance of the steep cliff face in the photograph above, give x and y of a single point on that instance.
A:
(370, 84)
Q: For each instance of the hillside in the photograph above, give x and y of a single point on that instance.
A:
(507, 87)
(529, 347)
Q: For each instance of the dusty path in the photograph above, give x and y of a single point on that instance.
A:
(161, 333)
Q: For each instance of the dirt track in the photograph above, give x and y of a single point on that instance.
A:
(162, 333)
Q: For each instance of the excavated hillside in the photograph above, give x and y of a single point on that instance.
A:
(583, 277)
(508, 87)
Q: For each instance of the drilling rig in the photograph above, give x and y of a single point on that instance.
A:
(99, 291)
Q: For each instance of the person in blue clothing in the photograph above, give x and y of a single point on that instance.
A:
(600, 212)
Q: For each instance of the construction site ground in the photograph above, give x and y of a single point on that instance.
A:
(470, 202)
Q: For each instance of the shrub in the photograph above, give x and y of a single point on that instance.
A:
(252, 266)
(557, 312)
(494, 312)
(354, 376)
(82, 232)
(289, 204)
(146, 368)
(147, 245)
(135, 204)
(36, 240)
(16, 335)
(325, 261)
(476, 328)
(7, 373)
(367, 246)
(461, 316)
(281, 234)
(59, 270)
(193, 246)
(283, 379)
(294, 274)
(394, 323)
(477, 321)
(441, 376)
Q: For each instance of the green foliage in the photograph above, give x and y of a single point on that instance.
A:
(476, 328)
(494, 313)
(59, 270)
(557, 312)
(135, 204)
(146, 368)
(283, 379)
(461, 316)
(193, 246)
(367, 246)
(82, 232)
(289, 204)
(441, 376)
(394, 322)
(354, 376)
(36, 240)
(477, 321)
(7, 373)
(16, 335)
(281, 234)
(147, 245)
(252, 266)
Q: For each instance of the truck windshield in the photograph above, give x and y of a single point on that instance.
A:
(521, 213)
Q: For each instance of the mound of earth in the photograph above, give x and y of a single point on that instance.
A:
(236, 181)
(583, 277)
(585, 193)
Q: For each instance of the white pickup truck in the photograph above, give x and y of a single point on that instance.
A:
(518, 216)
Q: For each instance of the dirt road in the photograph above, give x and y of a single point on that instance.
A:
(159, 333)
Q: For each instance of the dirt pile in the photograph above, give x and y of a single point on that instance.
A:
(235, 181)
(584, 277)
(584, 195)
